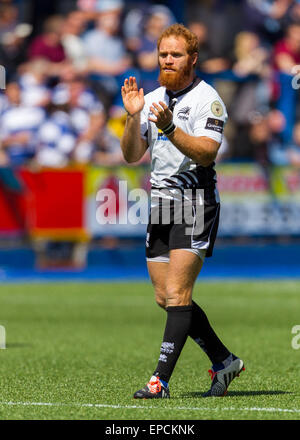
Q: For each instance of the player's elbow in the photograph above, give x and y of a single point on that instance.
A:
(127, 153)
(207, 159)
(130, 159)
(132, 152)
(207, 152)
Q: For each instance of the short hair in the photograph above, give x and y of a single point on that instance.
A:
(53, 24)
(178, 30)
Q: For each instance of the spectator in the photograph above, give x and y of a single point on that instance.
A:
(283, 155)
(286, 55)
(8, 18)
(287, 50)
(133, 27)
(108, 60)
(200, 29)
(88, 45)
(94, 142)
(251, 62)
(74, 26)
(56, 139)
(18, 127)
(293, 149)
(207, 61)
(250, 56)
(267, 18)
(81, 100)
(98, 145)
(33, 82)
(158, 19)
(48, 45)
(13, 39)
(260, 136)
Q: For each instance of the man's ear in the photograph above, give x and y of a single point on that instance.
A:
(195, 58)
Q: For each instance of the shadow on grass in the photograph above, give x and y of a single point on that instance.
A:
(194, 394)
(18, 345)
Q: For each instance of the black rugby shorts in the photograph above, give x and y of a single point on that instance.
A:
(195, 230)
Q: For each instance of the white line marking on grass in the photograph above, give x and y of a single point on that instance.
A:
(176, 408)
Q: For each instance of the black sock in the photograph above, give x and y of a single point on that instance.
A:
(203, 334)
(176, 332)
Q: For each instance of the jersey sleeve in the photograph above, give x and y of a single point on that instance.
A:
(211, 119)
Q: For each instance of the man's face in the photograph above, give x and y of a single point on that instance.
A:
(109, 22)
(176, 65)
(294, 36)
(13, 93)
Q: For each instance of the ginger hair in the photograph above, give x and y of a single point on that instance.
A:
(178, 30)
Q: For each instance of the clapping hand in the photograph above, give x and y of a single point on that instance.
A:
(133, 98)
(162, 115)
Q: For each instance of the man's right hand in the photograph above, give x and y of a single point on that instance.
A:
(133, 98)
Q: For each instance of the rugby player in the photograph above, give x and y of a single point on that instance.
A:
(182, 123)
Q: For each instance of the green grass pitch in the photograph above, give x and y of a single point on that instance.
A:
(80, 350)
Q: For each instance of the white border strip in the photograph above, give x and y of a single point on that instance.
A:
(176, 408)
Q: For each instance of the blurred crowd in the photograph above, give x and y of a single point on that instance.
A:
(62, 104)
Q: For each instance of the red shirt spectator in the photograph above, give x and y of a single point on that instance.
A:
(286, 56)
(39, 48)
(287, 51)
(48, 45)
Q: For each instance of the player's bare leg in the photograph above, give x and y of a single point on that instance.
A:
(201, 331)
(169, 280)
(183, 269)
(173, 282)
(158, 274)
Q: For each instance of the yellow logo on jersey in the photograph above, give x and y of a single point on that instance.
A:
(161, 136)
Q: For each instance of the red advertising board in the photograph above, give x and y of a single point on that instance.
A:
(49, 203)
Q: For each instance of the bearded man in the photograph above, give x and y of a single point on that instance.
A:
(182, 123)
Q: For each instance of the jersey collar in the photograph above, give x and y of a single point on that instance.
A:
(193, 84)
(174, 95)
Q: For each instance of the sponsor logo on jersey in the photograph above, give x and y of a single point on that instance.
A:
(184, 113)
(214, 124)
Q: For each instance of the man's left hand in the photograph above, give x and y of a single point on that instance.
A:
(163, 115)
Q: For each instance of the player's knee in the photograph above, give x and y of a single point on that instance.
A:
(160, 298)
(176, 296)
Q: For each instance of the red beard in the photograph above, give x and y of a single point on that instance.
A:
(176, 80)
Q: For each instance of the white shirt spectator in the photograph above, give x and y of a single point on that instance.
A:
(109, 48)
(21, 120)
(56, 140)
(33, 93)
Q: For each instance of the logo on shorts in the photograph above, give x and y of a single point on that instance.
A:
(184, 113)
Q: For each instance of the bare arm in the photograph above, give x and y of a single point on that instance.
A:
(133, 146)
(201, 149)
(285, 62)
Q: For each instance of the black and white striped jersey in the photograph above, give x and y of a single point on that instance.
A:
(199, 111)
